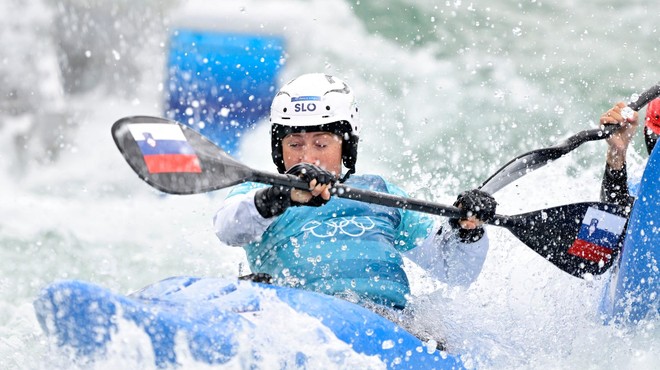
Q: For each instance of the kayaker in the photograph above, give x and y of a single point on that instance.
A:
(345, 248)
(614, 187)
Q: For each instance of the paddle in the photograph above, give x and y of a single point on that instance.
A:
(178, 160)
(530, 161)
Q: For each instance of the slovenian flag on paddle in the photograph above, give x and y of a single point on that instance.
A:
(599, 235)
(165, 148)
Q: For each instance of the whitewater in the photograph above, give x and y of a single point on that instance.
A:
(449, 91)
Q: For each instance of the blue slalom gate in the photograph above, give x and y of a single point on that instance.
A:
(221, 83)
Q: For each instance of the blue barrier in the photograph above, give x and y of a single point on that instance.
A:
(221, 84)
(637, 287)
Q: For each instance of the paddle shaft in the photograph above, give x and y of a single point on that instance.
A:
(608, 129)
(550, 232)
(367, 196)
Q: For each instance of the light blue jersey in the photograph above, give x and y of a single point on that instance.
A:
(345, 247)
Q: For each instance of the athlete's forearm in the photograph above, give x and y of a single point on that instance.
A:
(616, 158)
(614, 187)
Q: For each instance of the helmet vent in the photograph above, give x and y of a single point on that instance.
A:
(284, 110)
(327, 107)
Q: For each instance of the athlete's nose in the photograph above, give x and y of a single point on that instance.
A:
(308, 157)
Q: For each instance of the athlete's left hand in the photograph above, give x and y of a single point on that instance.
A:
(618, 142)
(480, 207)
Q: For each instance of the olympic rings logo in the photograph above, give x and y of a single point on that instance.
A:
(353, 227)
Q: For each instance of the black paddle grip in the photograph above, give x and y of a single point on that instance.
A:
(645, 98)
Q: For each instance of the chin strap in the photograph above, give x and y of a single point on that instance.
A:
(347, 175)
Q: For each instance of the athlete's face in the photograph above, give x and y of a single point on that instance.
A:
(320, 148)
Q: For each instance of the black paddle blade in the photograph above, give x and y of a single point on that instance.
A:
(174, 158)
(520, 166)
(530, 161)
(580, 238)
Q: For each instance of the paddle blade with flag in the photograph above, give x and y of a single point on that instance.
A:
(581, 238)
(174, 158)
(599, 237)
(164, 148)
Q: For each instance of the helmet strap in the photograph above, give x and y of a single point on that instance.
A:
(347, 175)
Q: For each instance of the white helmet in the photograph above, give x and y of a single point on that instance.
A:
(311, 103)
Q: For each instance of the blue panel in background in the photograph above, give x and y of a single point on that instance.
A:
(221, 84)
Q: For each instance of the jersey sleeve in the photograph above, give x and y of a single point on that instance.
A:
(244, 188)
(238, 222)
(448, 259)
(614, 187)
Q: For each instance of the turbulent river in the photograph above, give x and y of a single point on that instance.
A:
(449, 91)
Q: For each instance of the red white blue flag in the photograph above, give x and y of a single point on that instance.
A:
(599, 235)
(165, 148)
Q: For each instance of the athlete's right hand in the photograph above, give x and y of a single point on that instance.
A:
(618, 142)
(274, 200)
(320, 181)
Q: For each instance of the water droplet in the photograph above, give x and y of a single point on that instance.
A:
(627, 113)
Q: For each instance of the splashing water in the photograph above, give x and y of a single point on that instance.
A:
(449, 92)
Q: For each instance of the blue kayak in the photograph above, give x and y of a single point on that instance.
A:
(211, 317)
(632, 294)
(214, 316)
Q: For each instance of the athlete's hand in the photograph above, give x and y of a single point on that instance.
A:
(480, 207)
(618, 142)
(320, 182)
